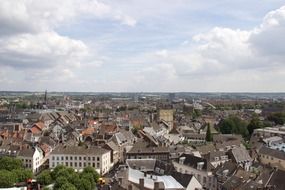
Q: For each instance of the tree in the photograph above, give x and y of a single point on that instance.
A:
(7, 179)
(55, 171)
(84, 184)
(254, 123)
(67, 186)
(92, 171)
(233, 125)
(22, 174)
(8, 163)
(278, 118)
(209, 136)
(44, 178)
(59, 182)
(89, 177)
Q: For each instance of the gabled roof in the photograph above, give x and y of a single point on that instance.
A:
(192, 161)
(112, 146)
(240, 154)
(272, 152)
(27, 153)
(39, 125)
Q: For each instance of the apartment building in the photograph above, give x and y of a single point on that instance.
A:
(79, 157)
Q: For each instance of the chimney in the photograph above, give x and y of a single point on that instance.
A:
(156, 185)
(181, 160)
(141, 184)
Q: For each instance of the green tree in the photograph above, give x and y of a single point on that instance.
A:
(7, 179)
(59, 182)
(67, 186)
(89, 177)
(8, 163)
(233, 125)
(44, 178)
(84, 184)
(55, 171)
(254, 123)
(92, 171)
(22, 174)
(209, 136)
(278, 118)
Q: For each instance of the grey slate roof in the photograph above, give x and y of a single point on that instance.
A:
(240, 154)
(79, 150)
(272, 152)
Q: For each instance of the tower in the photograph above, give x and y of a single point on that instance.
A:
(45, 101)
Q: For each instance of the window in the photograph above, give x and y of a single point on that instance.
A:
(66, 158)
(75, 164)
(62, 158)
(57, 158)
(75, 157)
(98, 165)
(93, 158)
(98, 158)
(89, 158)
(53, 158)
(93, 165)
(70, 158)
(66, 163)
(71, 164)
(80, 165)
(84, 158)
(79, 157)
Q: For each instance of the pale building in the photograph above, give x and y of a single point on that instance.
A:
(167, 115)
(79, 157)
(32, 158)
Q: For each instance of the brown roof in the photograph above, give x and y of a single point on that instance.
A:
(88, 131)
(40, 125)
(35, 130)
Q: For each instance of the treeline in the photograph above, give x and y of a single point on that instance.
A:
(278, 118)
(12, 172)
(65, 178)
(235, 125)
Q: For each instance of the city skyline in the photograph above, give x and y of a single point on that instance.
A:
(142, 46)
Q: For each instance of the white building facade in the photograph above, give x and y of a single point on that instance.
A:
(78, 158)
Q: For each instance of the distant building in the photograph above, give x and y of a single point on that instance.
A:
(273, 157)
(270, 132)
(167, 115)
(142, 151)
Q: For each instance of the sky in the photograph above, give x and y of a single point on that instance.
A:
(142, 45)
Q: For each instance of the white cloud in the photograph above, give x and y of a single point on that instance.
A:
(224, 59)
(41, 50)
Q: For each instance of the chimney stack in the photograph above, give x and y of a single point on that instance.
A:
(156, 185)
(141, 184)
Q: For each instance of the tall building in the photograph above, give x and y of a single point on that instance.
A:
(166, 115)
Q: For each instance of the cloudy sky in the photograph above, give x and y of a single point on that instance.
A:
(143, 45)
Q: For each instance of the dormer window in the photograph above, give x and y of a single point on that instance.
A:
(200, 165)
